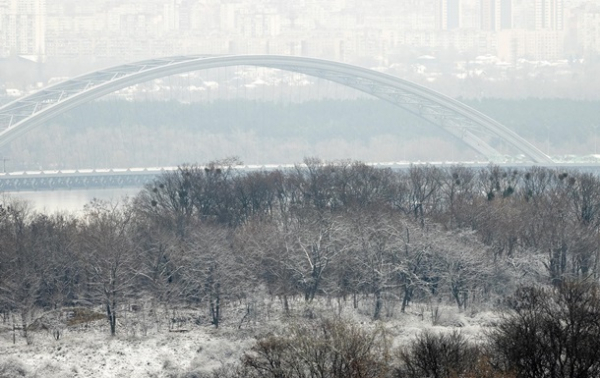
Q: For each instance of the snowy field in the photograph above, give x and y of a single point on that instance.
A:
(183, 343)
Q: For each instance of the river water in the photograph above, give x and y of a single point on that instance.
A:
(71, 201)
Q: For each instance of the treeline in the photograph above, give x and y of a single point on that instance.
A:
(566, 123)
(562, 120)
(106, 134)
(211, 236)
(313, 120)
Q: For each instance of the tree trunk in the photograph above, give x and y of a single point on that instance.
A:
(24, 325)
(460, 298)
(406, 299)
(215, 306)
(378, 304)
(14, 331)
(286, 305)
(112, 318)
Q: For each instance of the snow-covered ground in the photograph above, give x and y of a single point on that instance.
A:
(155, 348)
(94, 353)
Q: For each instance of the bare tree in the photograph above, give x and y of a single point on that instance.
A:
(54, 239)
(374, 240)
(255, 194)
(413, 261)
(464, 265)
(168, 200)
(458, 194)
(213, 272)
(550, 332)
(20, 282)
(161, 264)
(110, 253)
(313, 245)
(585, 199)
(361, 186)
(423, 184)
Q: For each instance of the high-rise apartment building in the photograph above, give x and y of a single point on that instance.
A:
(589, 31)
(171, 15)
(496, 15)
(4, 50)
(23, 26)
(448, 14)
(549, 15)
(470, 14)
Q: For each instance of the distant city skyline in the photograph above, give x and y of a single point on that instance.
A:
(344, 30)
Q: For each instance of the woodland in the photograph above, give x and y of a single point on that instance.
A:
(217, 240)
(114, 133)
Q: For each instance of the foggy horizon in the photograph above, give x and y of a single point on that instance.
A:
(489, 41)
(471, 50)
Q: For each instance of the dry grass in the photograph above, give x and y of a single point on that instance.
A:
(81, 315)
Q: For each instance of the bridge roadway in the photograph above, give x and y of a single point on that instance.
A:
(138, 177)
(77, 179)
(91, 178)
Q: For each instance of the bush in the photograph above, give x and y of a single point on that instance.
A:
(12, 368)
(551, 332)
(438, 356)
(331, 349)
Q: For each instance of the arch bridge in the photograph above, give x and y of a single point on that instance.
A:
(465, 123)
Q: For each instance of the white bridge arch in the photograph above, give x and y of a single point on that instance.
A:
(21, 115)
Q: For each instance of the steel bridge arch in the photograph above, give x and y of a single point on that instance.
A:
(462, 121)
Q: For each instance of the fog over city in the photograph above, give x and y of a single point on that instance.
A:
(484, 52)
(487, 40)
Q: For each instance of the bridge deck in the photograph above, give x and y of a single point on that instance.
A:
(91, 178)
(75, 179)
(138, 177)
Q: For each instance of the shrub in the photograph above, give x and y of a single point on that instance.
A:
(438, 356)
(12, 368)
(485, 369)
(551, 332)
(331, 349)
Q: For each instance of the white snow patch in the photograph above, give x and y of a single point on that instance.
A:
(151, 350)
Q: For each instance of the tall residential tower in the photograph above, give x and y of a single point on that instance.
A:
(23, 26)
(549, 15)
(448, 14)
(496, 15)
